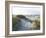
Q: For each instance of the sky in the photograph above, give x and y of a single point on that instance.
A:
(19, 9)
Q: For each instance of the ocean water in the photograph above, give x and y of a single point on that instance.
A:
(24, 25)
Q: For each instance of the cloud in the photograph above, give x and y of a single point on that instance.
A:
(22, 10)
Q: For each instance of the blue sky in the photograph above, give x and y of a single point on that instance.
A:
(25, 10)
